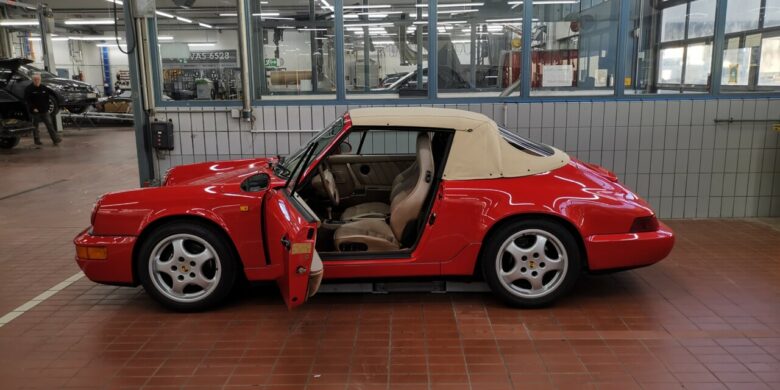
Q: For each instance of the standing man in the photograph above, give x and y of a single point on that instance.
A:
(37, 98)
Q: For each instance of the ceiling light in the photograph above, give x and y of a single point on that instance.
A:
(37, 39)
(19, 22)
(369, 24)
(200, 44)
(93, 38)
(205, 25)
(455, 11)
(504, 20)
(366, 6)
(229, 14)
(312, 29)
(185, 20)
(113, 45)
(115, 1)
(384, 42)
(88, 22)
(167, 15)
(452, 5)
(164, 38)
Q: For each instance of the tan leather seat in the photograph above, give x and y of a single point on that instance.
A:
(378, 235)
(403, 181)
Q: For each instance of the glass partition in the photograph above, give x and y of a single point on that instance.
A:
(479, 48)
(574, 48)
(386, 48)
(293, 45)
(198, 51)
(669, 46)
(751, 51)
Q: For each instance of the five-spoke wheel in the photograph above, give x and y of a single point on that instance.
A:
(186, 266)
(531, 262)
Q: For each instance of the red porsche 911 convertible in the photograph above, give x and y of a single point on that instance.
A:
(457, 196)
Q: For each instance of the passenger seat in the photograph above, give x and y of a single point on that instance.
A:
(379, 235)
(404, 181)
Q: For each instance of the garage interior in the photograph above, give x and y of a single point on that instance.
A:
(678, 98)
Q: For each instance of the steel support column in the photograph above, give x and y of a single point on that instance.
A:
(243, 45)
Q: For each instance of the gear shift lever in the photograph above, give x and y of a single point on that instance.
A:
(330, 212)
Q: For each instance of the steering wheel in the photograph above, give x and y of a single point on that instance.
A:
(329, 182)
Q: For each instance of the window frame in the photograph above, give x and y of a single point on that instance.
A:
(713, 90)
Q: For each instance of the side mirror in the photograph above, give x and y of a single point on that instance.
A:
(345, 147)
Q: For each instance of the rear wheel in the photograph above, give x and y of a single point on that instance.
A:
(186, 266)
(8, 142)
(531, 263)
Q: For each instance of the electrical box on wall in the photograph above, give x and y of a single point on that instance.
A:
(162, 135)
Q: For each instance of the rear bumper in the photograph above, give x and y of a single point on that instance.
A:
(628, 250)
(117, 267)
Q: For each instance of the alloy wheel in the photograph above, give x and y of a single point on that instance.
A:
(531, 263)
(184, 268)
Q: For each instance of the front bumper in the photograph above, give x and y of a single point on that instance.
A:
(117, 267)
(628, 250)
(78, 98)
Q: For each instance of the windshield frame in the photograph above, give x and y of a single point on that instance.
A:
(285, 168)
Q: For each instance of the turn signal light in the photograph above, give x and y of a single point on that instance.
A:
(644, 224)
(92, 252)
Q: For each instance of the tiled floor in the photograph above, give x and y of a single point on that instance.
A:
(707, 317)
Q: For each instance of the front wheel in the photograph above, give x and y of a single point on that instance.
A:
(531, 263)
(8, 142)
(186, 266)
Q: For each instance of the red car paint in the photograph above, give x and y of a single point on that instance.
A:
(584, 197)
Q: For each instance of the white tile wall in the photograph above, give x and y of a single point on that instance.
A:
(671, 152)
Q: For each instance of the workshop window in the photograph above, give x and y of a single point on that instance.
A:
(198, 51)
(574, 47)
(751, 51)
(293, 45)
(669, 46)
(479, 48)
(386, 49)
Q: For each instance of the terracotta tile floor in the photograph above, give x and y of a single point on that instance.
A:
(707, 317)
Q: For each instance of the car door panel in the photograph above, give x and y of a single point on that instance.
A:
(368, 170)
(290, 234)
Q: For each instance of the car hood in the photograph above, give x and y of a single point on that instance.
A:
(220, 172)
(65, 83)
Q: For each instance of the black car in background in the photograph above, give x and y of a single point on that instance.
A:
(75, 96)
(14, 120)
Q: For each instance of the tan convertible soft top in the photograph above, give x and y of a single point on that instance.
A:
(478, 150)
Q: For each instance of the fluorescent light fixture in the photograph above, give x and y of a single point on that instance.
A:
(312, 29)
(88, 22)
(19, 22)
(384, 13)
(167, 15)
(454, 11)
(366, 6)
(228, 14)
(205, 25)
(201, 44)
(371, 24)
(164, 38)
(113, 45)
(185, 20)
(37, 39)
(275, 18)
(451, 22)
(351, 16)
(327, 5)
(115, 1)
(543, 2)
(451, 5)
(504, 20)
(384, 42)
(94, 38)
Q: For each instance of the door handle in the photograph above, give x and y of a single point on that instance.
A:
(285, 242)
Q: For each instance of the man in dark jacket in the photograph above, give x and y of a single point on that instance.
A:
(37, 98)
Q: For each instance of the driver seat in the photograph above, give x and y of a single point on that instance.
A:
(379, 235)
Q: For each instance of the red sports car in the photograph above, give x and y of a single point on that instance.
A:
(456, 195)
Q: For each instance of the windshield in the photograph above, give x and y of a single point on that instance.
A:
(28, 71)
(285, 167)
(526, 145)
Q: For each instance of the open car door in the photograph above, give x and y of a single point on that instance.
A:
(291, 231)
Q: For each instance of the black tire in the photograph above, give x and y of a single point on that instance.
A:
(8, 142)
(225, 261)
(512, 294)
(54, 105)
